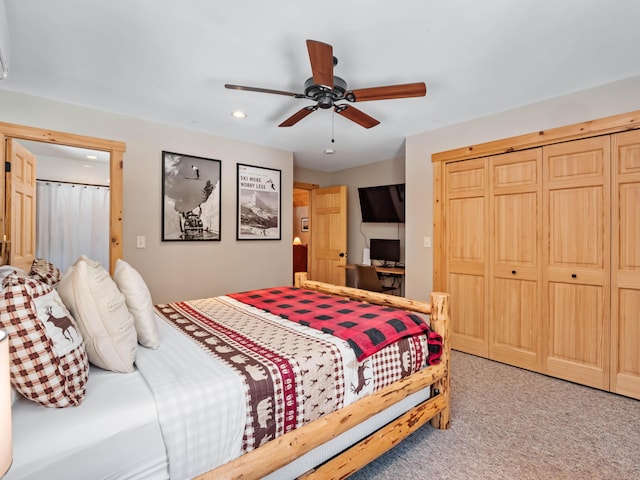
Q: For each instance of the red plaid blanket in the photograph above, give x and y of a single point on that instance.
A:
(365, 327)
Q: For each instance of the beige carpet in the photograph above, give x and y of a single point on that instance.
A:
(509, 423)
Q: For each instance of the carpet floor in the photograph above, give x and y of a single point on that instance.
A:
(508, 423)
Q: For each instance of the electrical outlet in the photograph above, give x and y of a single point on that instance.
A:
(141, 241)
(427, 242)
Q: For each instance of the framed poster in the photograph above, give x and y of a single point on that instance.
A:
(259, 202)
(190, 197)
(304, 224)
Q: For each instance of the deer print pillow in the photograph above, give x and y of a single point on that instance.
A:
(49, 364)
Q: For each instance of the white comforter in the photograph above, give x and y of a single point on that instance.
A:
(192, 403)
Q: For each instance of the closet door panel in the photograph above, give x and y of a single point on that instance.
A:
(466, 223)
(577, 332)
(576, 225)
(625, 378)
(514, 328)
(515, 239)
(577, 261)
(468, 332)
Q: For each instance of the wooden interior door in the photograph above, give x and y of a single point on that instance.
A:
(515, 312)
(625, 266)
(20, 204)
(577, 264)
(328, 228)
(466, 244)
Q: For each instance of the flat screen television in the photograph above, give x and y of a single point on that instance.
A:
(385, 250)
(383, 204)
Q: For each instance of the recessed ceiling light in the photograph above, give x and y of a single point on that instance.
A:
(329, 151)
(92, 157)
(239, 114)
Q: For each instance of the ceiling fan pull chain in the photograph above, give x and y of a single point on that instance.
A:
(333, 118)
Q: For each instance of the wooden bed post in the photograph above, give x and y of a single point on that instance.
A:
(440, 320)
(300, 278)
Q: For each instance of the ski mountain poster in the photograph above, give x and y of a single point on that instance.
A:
(258, 203)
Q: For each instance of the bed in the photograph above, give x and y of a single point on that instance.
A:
(158, 421)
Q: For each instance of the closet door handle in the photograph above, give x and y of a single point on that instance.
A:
(513, 272)
(573, 275)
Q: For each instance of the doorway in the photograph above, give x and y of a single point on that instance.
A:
(301, 234)
(72, 203)
(115, 151)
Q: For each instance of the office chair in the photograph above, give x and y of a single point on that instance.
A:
(367, 279)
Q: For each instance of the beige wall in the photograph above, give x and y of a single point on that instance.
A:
(298, 214)
(417, 172)
(175, 270)
(385, 172)
(603, 101)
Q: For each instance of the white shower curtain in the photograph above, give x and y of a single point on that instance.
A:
(72, 220)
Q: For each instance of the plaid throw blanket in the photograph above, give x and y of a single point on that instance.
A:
(365, 327)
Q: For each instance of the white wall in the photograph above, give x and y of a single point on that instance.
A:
(611, 99)
(70, 170)
(175, 270)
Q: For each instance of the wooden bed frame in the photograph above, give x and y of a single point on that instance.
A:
(286, 448)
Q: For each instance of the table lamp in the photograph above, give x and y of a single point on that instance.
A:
(6, 453)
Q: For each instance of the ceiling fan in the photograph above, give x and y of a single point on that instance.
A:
(326, 89)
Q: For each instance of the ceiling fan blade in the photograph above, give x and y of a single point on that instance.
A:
(389, 92)
(299, 115)
(321, 57)
(261, 90)
(356, 115)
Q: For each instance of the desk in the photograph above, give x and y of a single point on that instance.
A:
(380, 269)
(394, 275)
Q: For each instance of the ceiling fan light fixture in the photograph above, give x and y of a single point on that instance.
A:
(238, 114)
(325, 89)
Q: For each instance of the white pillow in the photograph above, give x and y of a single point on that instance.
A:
(138, 299)
(100, 310)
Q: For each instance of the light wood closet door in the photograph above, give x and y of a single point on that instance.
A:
(516, 258)
(625, 268)
(577, 251)
(466, 226)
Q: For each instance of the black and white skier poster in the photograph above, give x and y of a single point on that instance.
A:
(191, 197)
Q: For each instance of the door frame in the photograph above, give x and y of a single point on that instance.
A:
(116, 153)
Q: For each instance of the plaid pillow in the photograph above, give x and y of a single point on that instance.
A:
(49, 364)
(45, 271)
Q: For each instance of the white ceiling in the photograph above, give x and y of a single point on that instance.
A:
(168, 61)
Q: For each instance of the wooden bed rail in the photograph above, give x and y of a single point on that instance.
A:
(363, 295)
(285, 449)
